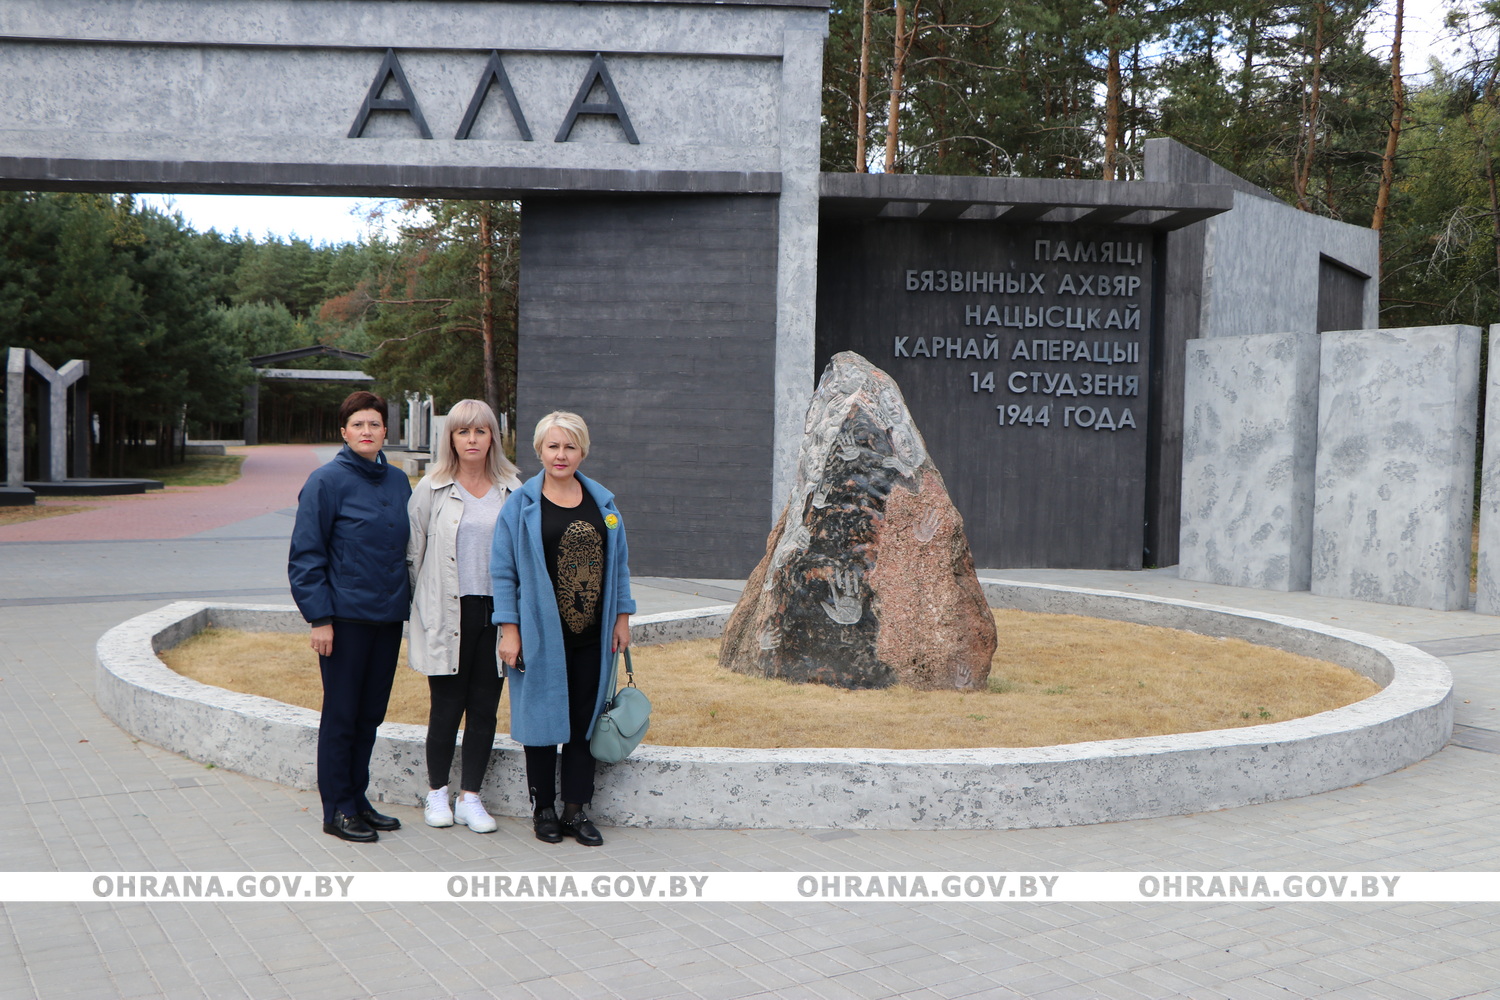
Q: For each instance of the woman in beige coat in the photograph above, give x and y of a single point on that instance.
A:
(452, 512)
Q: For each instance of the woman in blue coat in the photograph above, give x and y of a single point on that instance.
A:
(347, 569)
(562, 601)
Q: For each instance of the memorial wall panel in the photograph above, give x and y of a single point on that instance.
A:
(1023, 353)
(1394, 514)
(1487, 575)
(1249, 444)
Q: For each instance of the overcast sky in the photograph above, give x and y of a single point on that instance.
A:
(317, 220)
(342, 220)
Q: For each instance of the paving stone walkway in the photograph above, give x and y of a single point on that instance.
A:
(84, 796)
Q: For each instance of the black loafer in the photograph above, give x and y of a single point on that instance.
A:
(581, 828)
(379, 821)
(350, 828)
(548, 829)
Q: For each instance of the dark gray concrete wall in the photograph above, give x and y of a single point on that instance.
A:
(1041, 475)
(655, 319)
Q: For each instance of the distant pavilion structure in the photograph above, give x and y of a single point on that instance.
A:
(265, 366)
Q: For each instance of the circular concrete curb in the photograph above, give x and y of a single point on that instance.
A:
(717, 788)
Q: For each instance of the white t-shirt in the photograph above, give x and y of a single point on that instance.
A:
(476, 530)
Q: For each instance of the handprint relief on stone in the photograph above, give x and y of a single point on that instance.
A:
(847, 607)
(963, 677)
(846, 447)
(928, 526)
(793, 541)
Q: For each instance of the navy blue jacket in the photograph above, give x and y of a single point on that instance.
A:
(348, 556)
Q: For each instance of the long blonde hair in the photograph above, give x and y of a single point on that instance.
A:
(473, 413)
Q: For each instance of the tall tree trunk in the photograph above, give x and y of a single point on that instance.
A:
(1247, 69)
(1393, 137)
(487, 305)
(944, 127)
(862, 125)
(1112, 92)
(1311, 108)
(1489, 176)
(900, 48)
(1132, 132)
(1247, 82)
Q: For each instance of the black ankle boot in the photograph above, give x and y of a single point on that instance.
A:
(578, 826)
(544, 823)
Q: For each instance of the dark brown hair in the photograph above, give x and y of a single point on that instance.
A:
(360, 400)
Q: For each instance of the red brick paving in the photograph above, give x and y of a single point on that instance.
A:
(269, 481)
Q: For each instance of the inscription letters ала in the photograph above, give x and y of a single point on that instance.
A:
(1054, 339)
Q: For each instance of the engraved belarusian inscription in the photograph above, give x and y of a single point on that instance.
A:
(1059, 335)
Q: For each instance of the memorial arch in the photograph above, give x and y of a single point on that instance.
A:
(665, 154)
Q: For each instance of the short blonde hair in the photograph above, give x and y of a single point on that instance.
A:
(472, 413)
(570, 423)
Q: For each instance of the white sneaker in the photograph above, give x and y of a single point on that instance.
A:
(470, 812)
(437, 812)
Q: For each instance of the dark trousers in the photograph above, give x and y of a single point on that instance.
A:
(471, 695)
(356, 689)
(577, 761)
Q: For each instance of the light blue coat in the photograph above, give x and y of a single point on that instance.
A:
(524, 597)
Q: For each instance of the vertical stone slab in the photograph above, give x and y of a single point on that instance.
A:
(15, 418)
(1250, 429)
(800, 108)
(1487, 598)
(1395, 477)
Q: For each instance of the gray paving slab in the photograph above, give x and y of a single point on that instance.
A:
(86, 797)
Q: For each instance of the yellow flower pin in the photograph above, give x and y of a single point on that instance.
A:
(611, 521)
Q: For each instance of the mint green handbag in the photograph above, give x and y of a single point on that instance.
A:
(622, 725)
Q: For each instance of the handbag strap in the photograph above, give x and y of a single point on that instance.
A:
(614, 670)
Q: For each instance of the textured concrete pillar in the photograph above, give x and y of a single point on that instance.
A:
(1395, 477)
(83, 429)
(1250, 427)
(1487, 597)
(49, 450)
(55, 442)
(800, 108)
(15, 417)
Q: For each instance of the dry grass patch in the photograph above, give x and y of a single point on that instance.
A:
(281, 665)
(1056, 679)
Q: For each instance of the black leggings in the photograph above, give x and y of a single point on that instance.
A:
(577, 760)
(471, 695)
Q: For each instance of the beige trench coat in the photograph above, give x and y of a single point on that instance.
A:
(432, 566)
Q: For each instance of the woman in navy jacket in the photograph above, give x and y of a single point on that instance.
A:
(347, 569)
(562, 601)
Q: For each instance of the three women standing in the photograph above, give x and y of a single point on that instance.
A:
(347, 569)
(561, 585)
(453, 512)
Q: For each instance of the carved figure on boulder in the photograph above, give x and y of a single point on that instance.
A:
(867, 579)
